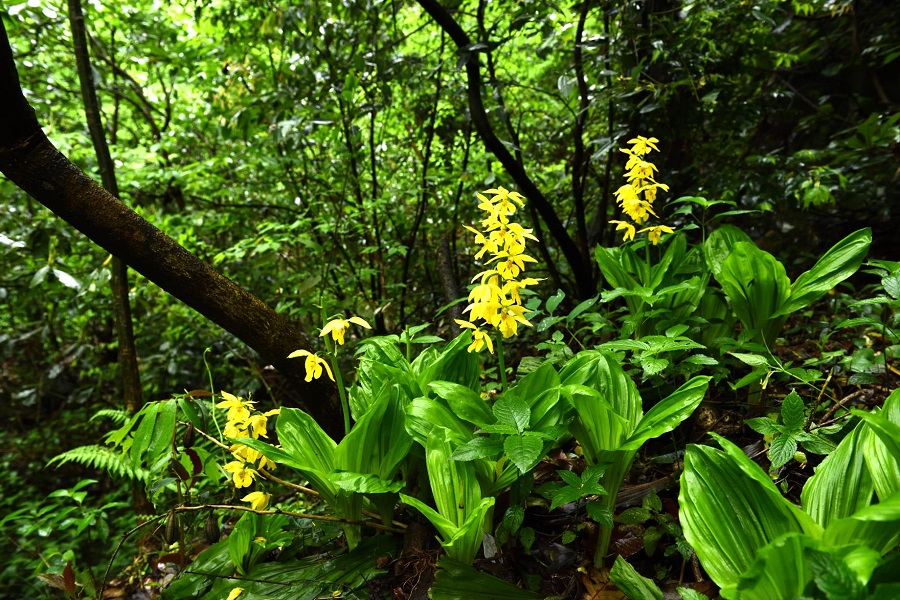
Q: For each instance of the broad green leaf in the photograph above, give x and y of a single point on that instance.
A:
(763, 425)
(883, 461)
(841, 484)
(464, 544)
(512, 410)
(782, 450)
(446, 528)
(554, 301)
(479, 447)
(466, 403)
(163, 431)
(876, 526)
(668, 413)
(839, 263)
(754, 360)
(729, 509)
(757, 286)
(364, 483)
(632, 583)
(454, 486)
(240, 538)
(144, 432)
(778, 571)
(424, 414)
(524, 450)
(302, 438)
(793, 412)
(719, 245)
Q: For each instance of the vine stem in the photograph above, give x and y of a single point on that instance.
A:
(345, 406)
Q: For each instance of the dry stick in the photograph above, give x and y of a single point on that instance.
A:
(840, 403)
(818, 401)
(278, 511)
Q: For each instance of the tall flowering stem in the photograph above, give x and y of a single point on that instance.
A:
(496, 301)
(637, 196)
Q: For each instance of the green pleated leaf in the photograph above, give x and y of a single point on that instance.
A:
(302, 438)
(880, 451)
(719, 245)
(467, 404)
(839, 263)
(632, 583)
(779, 571)
(511, 410)
(446, 528)
(453, 483)
(841, 484)
(361, 483)
(757, 286)
(465, 543)
(668, 413)
(876, 526)
(424, 414)
(730, 509)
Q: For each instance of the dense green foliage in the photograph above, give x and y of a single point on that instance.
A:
(326, 156)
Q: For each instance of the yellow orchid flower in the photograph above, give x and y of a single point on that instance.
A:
(337, 328)
(257, 500)
(654, 233)
(235, 592)
(238, 408)
(240, 474)
(628, 227)
(314, 364)
(480, 338)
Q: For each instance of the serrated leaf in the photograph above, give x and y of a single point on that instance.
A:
(600, 513)
(512, 410)
(569, 477)
(763, 425)
(633, 516)
(480, 447)
(792, 412)
(653, 365)
(782, 450)
(513, 518)
(523, 450)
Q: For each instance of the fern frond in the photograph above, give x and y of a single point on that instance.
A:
(117, 416)
(103, 458)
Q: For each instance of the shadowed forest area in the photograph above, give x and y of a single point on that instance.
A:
(450, 299)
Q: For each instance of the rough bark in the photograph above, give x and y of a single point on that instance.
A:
(31, 161)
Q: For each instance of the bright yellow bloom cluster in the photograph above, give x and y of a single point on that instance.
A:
(243, 421)
(641, 182)
(496, 300)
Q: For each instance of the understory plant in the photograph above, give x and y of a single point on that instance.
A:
(754, 543)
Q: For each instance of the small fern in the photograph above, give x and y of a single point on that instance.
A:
(115, 415)
(101, 457)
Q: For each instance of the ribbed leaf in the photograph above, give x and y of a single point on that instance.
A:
(424, 414)
(839, 263)
(730, 509)
(779, 571)
(453, 483)
(719, 245)
(466, 403)
(464, 544)
(632, 583)
(668, 413)
(876, 526)
(882, 460)
(841, 484)
(757, 286)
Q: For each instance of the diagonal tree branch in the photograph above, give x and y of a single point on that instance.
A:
(31, 161)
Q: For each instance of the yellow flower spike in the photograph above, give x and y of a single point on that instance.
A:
(240, 474)
(628, 227)
(654, 233)
(642, 145)
(235, 592)
(238, 408)
(480, 338)
(314, 364)
(257, 500)
(337, 328)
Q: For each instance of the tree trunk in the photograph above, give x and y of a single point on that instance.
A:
(30, 161)
(128, 367)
